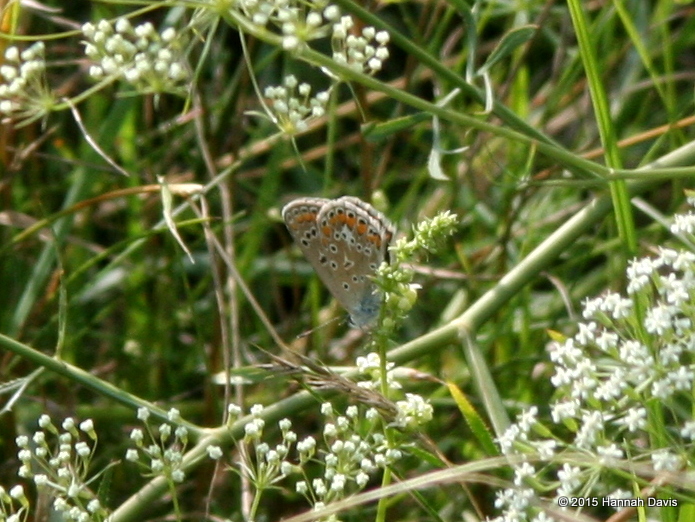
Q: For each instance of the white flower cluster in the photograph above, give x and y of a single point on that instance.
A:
(163, 455)
(150, 61)
(354, 451)
(413, 411)
(293, 107)
(298, 23)
(270, 465)
(370, 365)
(24, 93)
(624, 384)
(60, 471)
(365, 53)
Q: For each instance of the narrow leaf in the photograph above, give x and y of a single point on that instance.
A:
(510, 41)
(475, 422)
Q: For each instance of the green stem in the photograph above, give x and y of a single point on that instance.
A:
(618, 188)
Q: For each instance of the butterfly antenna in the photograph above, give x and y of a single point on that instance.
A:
(309, 332)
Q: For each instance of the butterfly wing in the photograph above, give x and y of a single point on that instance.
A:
(345, 240)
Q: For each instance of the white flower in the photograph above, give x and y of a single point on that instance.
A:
(82, 449)
(527, 419)
(17, 492)
(93, 506)
(214, 452)
(506, 441)
(12, 54)
(413, 411)
(329, 430)
(287, 468)
(361, 479)
(181, 433)
(664, 460)
(570, 477)
(87, 426)
(131, 455)
(657, 320)
(611, 388)
(607, 340)
(681, 378)
(688, 430)
(338, 483)
(638, 274)
(587, 333)
(272, 457)
(635, 419)
(545, 448)
(522, 472)
(683, 223)
(609, 454)
(319, 487)
(662, 388)
(164, 431)
(253, 430)
(592, 423)
(306, 445)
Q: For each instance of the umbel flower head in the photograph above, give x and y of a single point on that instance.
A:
(292, 107)
(24, 91)
(624, 393)
(148, 60)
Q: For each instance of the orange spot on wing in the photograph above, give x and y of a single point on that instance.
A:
(338, 219)
(309, 216)
(375, 239)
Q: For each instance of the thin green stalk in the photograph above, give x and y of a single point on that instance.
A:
(643, 52)
(332, 138)
(618, 188)
(78, 375)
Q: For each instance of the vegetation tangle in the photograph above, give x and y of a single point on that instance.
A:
(495, 197)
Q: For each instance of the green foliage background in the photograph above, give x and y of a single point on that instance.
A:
(104, 283)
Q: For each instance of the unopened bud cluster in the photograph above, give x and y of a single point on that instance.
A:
(160, 453)
(293, 107)
(148, 60)
(365, 52)
(58, 462)
(24, 92)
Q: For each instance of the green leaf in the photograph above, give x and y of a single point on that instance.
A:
(510, 41)
(475, 422)
(374, 132)
(426, 456)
